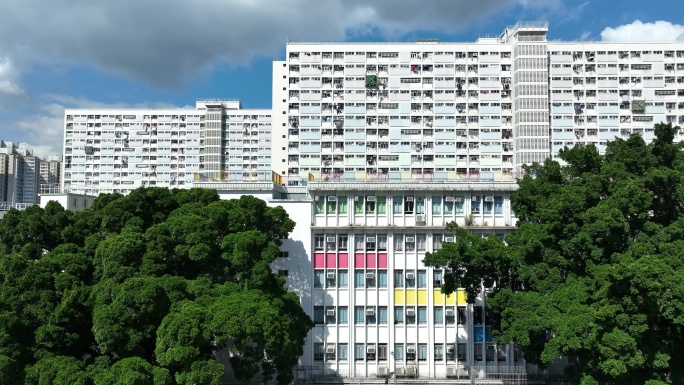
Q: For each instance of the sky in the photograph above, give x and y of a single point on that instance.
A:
(165, 53)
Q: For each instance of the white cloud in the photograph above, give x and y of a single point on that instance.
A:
(648, 32)
(164, 43)
(8, 75)
(584, 36)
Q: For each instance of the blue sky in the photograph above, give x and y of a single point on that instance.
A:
(162, 53)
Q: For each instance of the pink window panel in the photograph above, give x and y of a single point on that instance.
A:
(319, 261)
(331, 261)
(370, 261)
(343, 261)
(382, 261)
(359, 260)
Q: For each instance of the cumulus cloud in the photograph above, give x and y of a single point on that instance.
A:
(649, 32)
(163, 43)
(8, 76)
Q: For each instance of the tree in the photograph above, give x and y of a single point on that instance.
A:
(134, 289)
(595, 267)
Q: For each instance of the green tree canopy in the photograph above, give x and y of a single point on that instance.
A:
(595, 268)
(146, 289)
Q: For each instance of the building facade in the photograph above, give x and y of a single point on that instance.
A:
(19, 175)
(373, 148)
(116, 151)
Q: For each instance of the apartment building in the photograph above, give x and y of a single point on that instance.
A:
(19, 175)
(50, 170)
(373, 148)
(116, 151)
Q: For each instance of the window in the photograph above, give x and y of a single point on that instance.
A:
(421, 242)
(358, 204)
(342, 352)
(437, 279)
(410, 279)
(370, 243)
(422, 352)
(284, 254)
(410, 243)
(370, 352)
(382, 315)
(319, 315)
(398, 242)
(359, 353)
(342, 318)
(319, 207)
(478, 352)
(422, 315)
(461, 315)
(396, 204)
(439, 352)
(410, 352)
(331, 206)
(330, 279)
(398, 314)
(283, 273)
(448, 207)
(420, 206)
(398, 352)
(359, 313)
(382, 279)
(370, 315)
(342, 205)
(501, 352)
(319, 242)
(342, 242)
(458, 207)
(330, 243)
(382, 242)
(410, 315)
(461, 351)
(422, 279)
(330, 318)
(436, 205)
(319, 352)
(382, 205)
(475, 205)
(408, 205)
(498, 205)
(450, 316)
(382, 352)
(450, 356)
(342, 279)
(330, 352)
(370, 279)
(359, 278)
(358, 242)
(478, 314)
(439, 316)
(488, 205)
(398, 278)
(370, 206)
(319, 278)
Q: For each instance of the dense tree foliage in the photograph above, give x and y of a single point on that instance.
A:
(595, 269)
(146, 289)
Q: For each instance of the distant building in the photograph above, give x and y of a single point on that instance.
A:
(50, 170)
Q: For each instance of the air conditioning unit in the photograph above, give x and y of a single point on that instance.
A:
(410, 311)
(370, 275)
(370, 350)
(448, 239)
(475, 198)
(370, 239)
(410, 275)
(330, 312)
(382, 370)
(489, 198)
(410, 239)
(330, 275)
(451, 371)
(420, 218)
(409, 199)
(370, 198)
(330, 349)
(449, 312)
(330, 239)
(449, 199)
(332, 198)
(410, 350)
(370, 311)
